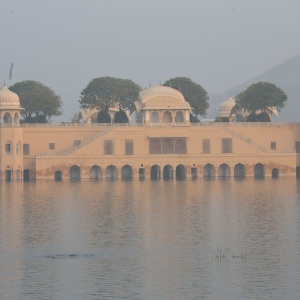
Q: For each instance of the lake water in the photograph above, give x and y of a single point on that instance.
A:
(191, 239)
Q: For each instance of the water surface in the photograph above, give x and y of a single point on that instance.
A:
(191, 239)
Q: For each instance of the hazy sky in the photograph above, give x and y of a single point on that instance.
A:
(217, 43)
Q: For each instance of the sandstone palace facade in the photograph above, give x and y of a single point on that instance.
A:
(162, 144)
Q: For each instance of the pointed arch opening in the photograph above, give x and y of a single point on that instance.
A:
(275, 173)
(180, 172)
(127, 172)
(58, 176)
(167, 117)
(111, 172)
(168, 172)
(239, 171)
(209, 171)
(95, 173)
(259, 171)
(155, 172)
(75, 173)
(224, 171)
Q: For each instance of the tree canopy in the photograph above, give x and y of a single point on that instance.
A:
(193, 93)
(260, 96)
(106, 92)
(39, 101)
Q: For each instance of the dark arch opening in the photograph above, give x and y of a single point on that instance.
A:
(111, 172)
(168, 172)
(95, 173)
(239, 171)
(155, 172)
(275, 173)
(75, 173)
(180, 172)
(126, 172)
(259, 171)
(58, 176)
(209, 171)
(224, 171)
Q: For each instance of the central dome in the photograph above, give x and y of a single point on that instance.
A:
(8, 99)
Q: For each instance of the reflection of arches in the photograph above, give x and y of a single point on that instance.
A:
(209, 171)
(275, 173)
(168, 172)
(95, 172)
(180, 172)
(7, 118)
(167, 117)
(111, 172)
(16, 118)
(57, 176)
(155, 172)
(239, 171)
(224, 171)
(179, 117)
(74, 173)
(126, 172)
(155, 117)
(259, 171)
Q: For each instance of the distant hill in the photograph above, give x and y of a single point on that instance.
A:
(286, 76)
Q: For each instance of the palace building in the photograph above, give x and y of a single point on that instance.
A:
(162, 143)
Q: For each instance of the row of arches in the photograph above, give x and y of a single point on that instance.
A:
(9, 148)
(10, 119)
(168, 172)
(166, 117)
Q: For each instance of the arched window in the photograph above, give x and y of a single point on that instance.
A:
(18, 148)
(16, 118)
(155, 117)
(167, 117)
(7, 118)
(126, 172)
(179, 117)
(95, 173)
(8, 148)
(111, 172)
(75, 173)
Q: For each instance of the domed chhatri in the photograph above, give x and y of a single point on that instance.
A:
(225, 109)
(9, 107)
(8, 99)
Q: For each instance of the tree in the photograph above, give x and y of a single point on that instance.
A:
(39, 101)
(261, 96)
(103, 117)
(121, 117)
(106, 92)
(193, 93)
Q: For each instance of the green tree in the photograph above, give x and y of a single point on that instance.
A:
(39, 101)
(193, 93)
(106, 92)
(260, 96)
(121, 117)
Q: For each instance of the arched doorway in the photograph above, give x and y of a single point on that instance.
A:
(95, 173)
(19, 173)
(75, 173)
(168, 172)
(111, 172)
(259, 171)
(155, 172)
(224, 171)
(58, 176)
(8, 174)
(209, 171)
(275, 173)
(127, 172)
(239, 171)
(180, 172)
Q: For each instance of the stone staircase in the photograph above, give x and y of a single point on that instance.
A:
(242, 138)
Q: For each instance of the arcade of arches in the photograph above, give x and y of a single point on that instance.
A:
(167, 172)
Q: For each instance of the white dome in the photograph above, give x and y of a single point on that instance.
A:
(226, 107)
(8, 99)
